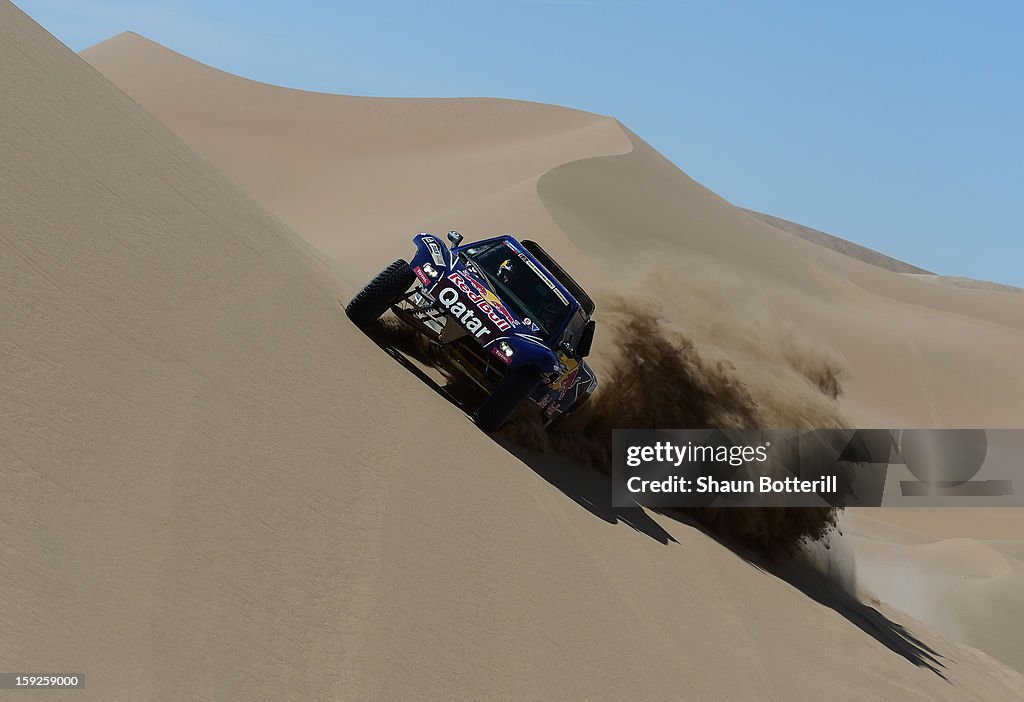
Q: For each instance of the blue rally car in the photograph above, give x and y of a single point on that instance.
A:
(507, 315)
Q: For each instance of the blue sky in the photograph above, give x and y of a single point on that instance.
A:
(897, 125)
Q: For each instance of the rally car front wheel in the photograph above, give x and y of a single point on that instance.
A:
(380, 293)
(513, 390)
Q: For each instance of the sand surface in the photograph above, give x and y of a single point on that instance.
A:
(217, 488)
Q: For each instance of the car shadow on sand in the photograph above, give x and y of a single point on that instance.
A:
(828, 592)
(578, 484)
(591, 490)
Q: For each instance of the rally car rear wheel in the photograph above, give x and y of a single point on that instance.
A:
(513, 390)
(380, 293)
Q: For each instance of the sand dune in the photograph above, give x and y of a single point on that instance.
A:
(339, 169)
(336, 168)
(969, 283)
(216, 488)
(912, 354)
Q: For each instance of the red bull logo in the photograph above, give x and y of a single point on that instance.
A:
(566, 381)
(482, 302)
(494, 301)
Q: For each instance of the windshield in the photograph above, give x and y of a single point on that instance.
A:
(518, 282)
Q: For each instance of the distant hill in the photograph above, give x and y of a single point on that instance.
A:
(847, 248)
